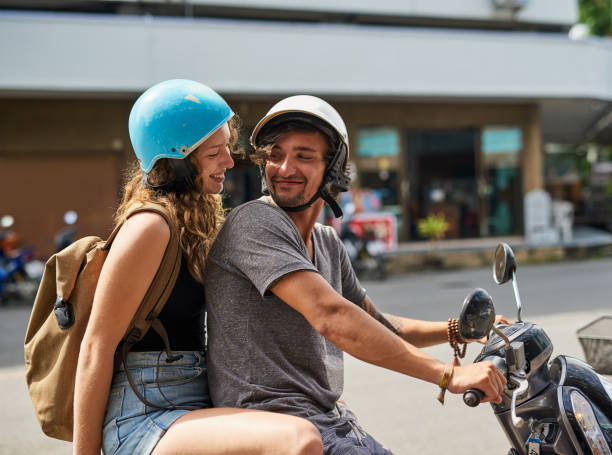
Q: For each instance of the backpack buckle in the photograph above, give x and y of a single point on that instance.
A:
(64, 313)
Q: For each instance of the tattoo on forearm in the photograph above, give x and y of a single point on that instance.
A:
(393, 323)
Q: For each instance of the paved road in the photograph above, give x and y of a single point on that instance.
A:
(401, 412)
(544, 289)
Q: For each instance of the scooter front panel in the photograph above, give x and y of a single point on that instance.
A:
(568, 371)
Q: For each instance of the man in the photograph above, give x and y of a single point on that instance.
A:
(283, 301)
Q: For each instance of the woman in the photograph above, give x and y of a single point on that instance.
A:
(181, 133)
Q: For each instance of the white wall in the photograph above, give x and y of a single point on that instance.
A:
(127, 54)
(535, 11)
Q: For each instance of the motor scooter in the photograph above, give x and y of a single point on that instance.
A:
(20, 272)
(365, 253)
(559, 407)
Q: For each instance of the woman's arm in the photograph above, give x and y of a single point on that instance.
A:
(127, 273)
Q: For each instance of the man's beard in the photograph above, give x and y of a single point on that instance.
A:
(289, 201)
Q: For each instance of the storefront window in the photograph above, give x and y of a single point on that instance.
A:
(500, 188)
(376, 188)
(377, 142)
(377, 154)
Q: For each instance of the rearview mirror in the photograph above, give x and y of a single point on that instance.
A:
(477, 315)
(504, 263)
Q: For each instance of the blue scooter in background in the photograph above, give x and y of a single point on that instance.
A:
(20, 272)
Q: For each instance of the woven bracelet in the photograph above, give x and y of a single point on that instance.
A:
(446, 377)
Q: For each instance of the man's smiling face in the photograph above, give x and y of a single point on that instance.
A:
(295, 167)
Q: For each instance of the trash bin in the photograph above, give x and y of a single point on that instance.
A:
(596, 341)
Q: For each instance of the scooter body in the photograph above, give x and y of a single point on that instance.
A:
(545, 412)
(558, 407)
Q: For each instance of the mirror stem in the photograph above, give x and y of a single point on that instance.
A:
(503, 337)
(517, 296)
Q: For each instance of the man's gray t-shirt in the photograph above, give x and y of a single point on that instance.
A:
(263, 354)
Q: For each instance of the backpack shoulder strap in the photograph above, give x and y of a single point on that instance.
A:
(163, 282)
(155, 298)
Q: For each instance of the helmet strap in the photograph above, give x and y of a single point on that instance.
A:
(185, 174)
(264, 185)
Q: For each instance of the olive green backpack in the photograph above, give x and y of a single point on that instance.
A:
(60, 315)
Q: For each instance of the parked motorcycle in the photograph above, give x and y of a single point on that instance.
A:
(364, 251)
(560, 407)
(20, 272)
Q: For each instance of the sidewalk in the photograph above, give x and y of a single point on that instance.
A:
(458, 253)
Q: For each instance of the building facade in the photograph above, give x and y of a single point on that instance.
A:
(449, 104)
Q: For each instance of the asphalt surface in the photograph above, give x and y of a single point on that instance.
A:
(399, 411)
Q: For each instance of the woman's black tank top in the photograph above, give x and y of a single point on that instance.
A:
(182, 317)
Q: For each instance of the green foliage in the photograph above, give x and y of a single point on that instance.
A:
(597, 14)
(433, 227)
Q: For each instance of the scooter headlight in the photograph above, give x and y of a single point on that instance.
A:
(588, 424)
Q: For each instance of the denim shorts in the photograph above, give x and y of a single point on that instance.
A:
(349, 438)
(130, 426)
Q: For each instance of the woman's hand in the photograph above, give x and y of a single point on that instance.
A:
(499, 319)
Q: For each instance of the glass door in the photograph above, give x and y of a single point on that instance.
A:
(441, 179)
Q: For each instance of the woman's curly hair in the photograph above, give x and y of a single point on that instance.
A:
(197, 216)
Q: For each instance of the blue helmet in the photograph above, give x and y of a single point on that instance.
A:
(172, 118)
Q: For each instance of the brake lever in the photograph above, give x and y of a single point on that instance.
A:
(522, 387)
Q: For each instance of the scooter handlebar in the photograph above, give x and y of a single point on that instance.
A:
(473, 397)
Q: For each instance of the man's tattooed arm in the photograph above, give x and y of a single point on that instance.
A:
(390, 321)
(418, 333)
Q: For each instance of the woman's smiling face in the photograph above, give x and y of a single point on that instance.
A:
(214, 158)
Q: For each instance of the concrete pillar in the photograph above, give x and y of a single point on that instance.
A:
(532, 159)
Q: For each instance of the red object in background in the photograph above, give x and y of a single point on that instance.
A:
(382, 227)
(9, 242)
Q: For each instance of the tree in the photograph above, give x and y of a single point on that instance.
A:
(597, 14)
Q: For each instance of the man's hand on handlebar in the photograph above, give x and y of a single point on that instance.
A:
(483, 376)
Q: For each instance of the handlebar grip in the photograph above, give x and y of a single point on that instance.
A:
(473, 397)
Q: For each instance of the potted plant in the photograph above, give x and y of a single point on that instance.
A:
(433, 228)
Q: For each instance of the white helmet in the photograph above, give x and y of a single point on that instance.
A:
(326, 119)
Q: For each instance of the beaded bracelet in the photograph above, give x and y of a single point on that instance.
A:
(446, 377)
(455, 339)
